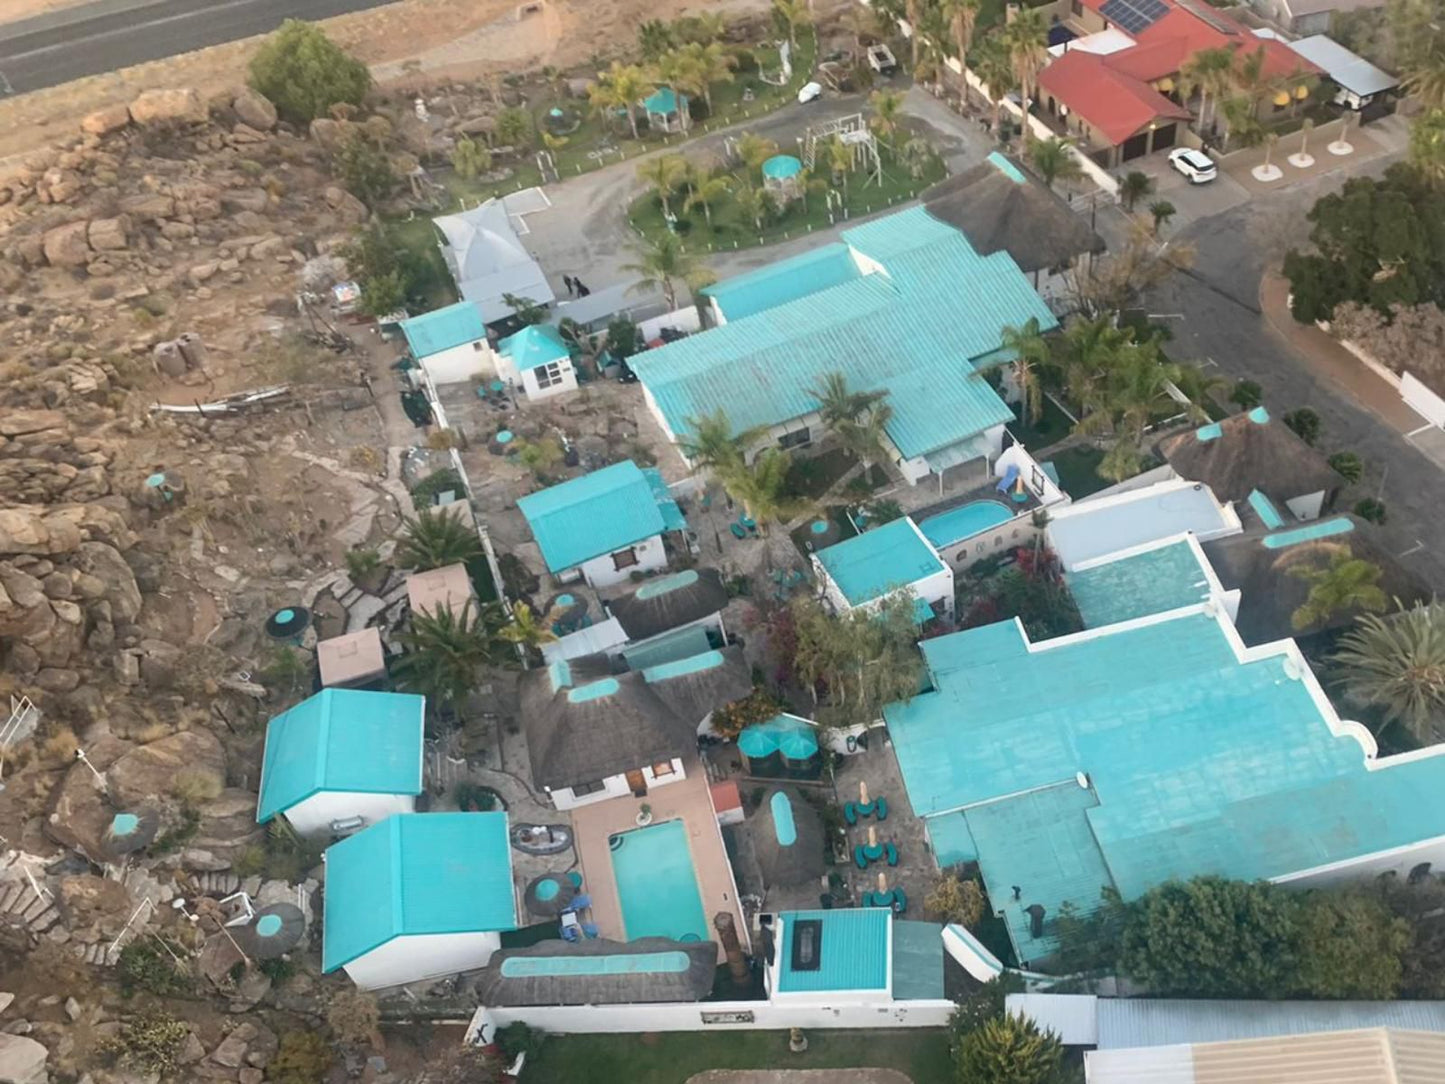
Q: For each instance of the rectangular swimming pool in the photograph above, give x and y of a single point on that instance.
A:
(656, 884)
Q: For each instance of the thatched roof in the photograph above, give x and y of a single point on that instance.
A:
(670, 601)
(1251, 452)
(616, 986)
(1270, 593)
(997, 211)
(584, 722)
(801, 860)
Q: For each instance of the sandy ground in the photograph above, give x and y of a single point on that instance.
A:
(12, 11)
(409, 43)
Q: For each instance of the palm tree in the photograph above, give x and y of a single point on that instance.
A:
(708, 186)
(754, 204)
(654, 37)
(1398, 665)
(664, 261)
(525, 630)
(1241, 122)
(682, 73)
(1053, 160)
(470, 159)
(1027, 38)
(887, 107)
(1031, 351)
(664, 173)
(621, 86)
(1427, 144)
(994, 66)
(839, 404)
(914, 8)
(1134, 187)
(840, 160)
(444, 650)
(754, 150)
(789, 15)
(711, 26)
(760, 485)
(1345, 583)
(713, 445)
(1210, 72)
(435, 540)
(962, 16)
(713, 64)
(1161, 211)
(862, 23)
(1425, 77)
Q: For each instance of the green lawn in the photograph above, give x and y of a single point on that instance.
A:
(674, 1057)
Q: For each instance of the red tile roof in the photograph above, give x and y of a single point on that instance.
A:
(1115, 105)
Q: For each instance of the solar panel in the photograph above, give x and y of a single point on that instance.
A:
(1134, 16)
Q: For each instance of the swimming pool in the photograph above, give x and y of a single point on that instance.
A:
(965, 521)
(656, 884)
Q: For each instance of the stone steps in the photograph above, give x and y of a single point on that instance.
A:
(37, 911)
(217, 884)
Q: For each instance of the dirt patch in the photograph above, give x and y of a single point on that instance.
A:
(800, 1076)
(15, 10)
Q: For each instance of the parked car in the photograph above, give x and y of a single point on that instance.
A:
(1196, 165)
(809, 92)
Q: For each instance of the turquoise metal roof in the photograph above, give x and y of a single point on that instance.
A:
(669, 647)
(708, 660)
(1001, 163)
(1324, 528)
(1264, 508)
(597, 514)
(784, 281)
(342, 740)
(782, 166)
(917, 961)
(417, 873)
(1199, 763)
(869, 565)
(443, 329)
(534, 346)
(853, 953)
(672, 517)
(663, 100)
(918, 329)
(1151, 582)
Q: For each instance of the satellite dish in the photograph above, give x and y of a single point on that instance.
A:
(1082, 779)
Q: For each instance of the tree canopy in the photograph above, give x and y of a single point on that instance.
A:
(304, 73)
(858, 662)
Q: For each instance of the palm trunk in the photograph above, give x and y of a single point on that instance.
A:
(632, 120)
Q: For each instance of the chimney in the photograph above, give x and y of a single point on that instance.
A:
(1036, 920)
(728, 934)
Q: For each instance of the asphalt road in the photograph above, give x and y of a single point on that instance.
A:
(105, 35)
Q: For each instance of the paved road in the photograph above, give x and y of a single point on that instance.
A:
(1218, 321)
(108, 34)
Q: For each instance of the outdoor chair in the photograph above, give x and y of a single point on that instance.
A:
(737, 531)
(880, 807)
(859, 859)
(892, 852)
(850, 813)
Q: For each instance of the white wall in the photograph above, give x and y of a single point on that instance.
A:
(534, 391)
(313, 816)
(615, 786)
(461, 363)
(601, 572)
(1422, 400)
(1400, 860)
(1308, 506)
(684, 319)
(422, 956)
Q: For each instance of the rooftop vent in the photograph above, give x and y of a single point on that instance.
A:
(807, 953)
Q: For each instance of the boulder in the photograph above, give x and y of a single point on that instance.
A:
(103, 562)
(22, 530)
(232, 1051)
(22, 1060)
(66, 246)
(348, 207)
(104, 121)
(245, 199)
(109, 233)
(14, 423)
(98, 902)
(331, 134)
(148, 205)
(178, 105)
(146, 773)
(255, 110)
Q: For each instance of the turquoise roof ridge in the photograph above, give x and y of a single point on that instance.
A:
(342, 740)
(599, 513)
(852, 951)
(928, 312)
(534, 346)
(417, 873)
(870, 565)
(442, 329)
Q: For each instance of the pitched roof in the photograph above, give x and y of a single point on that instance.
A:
(448, 586)
(1249, 451)
(535, 345)
(788, 838)
(1141, 583)
(584, 723)
(351, 657)
(924, 310)
(595, 514)
(1116, 104)
(998, 208)
(599, 972)
(851, 952)
(442, 329)
(417, 873)
(487, 260)
(342, 740)
(669, 601)
(1198, 758)
(876, 562)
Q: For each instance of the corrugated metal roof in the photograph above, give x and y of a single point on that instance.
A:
(1074, 1018)
(596, 514)
(342, 740)
(1158, 1021)
(852, 954)
(915, 328)
(1151, 582)
(443, 329)
(1349, 70)
(533, 346)
(417, 873)
(875, 562)
(784, 281)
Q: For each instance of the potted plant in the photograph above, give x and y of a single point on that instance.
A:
(644, 815)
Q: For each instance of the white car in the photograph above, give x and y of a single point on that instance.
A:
(809, 92)
(1198, 167)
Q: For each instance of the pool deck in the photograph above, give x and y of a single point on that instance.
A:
(687, 801)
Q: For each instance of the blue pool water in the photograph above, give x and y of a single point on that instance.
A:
(656, 884)
(965, 521)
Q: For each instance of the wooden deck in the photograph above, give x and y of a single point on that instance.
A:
(687, 801)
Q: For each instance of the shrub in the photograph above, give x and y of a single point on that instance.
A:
(955, 899)
(520, 1038)
(758, 706)
(149, 1042)
(303, 1057)
(984, 1004)
(473, 797)
(1009, 1050)
(250, 861)
(434, 483)
(195, 786)
(144, 966)
(365, 171)
(623, 337)
(1305, 423)
(1347, 465)
(1247, 394)
(59, 747)
(304, 73)
(353, 1016)
(172, 840)
(362, 562)
(278, 969)
(1371, 510)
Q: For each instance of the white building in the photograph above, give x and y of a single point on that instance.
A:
(418, 896)
(342, 759)
(488, 261)
(536, 360)
(451, 344)
(862, 571)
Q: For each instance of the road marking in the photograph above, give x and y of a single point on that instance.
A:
(123, 31)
